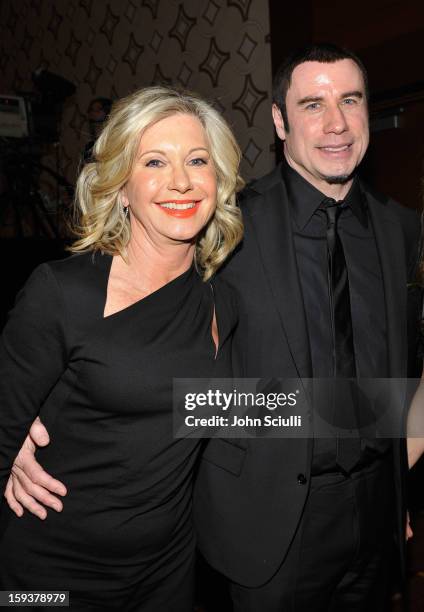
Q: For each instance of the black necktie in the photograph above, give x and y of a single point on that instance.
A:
(348, 448)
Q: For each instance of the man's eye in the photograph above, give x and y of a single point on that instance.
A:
(198, 161)
(349, 101)
(154, 163)
(313, 106)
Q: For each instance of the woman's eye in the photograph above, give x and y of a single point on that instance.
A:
(154, 163)
(198, 161)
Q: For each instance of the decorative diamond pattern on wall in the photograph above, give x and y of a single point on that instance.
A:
(91, 36)
(111, 65)
(40, 34)
(70, 11)
(156, 41)
(132, 54)
(111, 47)
(114, 95)
(12, 20)
(109, 24)
(57, 60)
(219, 106)
(23, 10)
(55, 22)
(214, 61)
(43, 62)
(87, 5)
(3, 60)
(184, 74)
(27, 43)
(65, 161)
(242, 5)
(249, 100)
(182, 27)
(153, 5)
(36, 6)
(72, 49)
(159, 78)
(251, 152)
(92, 76)
(211, 12)
(77, 120)
(246, 48)
(18, 82)
(130, 12)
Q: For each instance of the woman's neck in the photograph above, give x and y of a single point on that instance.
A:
(157, 264)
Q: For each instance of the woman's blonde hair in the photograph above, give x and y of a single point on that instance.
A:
(101, 223)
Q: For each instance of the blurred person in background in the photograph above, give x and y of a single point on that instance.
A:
(97, 113)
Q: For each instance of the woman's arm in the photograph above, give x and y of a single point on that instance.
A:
(33, 355)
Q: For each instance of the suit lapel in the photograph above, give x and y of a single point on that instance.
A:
(389, 240)
(273, 231)
(272, 227)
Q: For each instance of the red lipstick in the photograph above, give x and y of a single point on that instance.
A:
(178, 211)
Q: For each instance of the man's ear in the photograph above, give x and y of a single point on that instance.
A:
(278, 122)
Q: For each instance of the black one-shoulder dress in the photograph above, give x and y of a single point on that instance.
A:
(103, 387)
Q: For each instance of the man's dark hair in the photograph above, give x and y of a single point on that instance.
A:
(325, 53)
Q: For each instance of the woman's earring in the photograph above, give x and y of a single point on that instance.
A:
(125, 210)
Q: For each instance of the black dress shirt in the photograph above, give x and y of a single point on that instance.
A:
(309, 226)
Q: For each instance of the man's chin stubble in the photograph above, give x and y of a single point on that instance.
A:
(340, 179)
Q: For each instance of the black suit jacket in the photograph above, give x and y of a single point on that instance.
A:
(250, 493)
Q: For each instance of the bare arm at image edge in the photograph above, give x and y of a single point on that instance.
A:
(416, 426)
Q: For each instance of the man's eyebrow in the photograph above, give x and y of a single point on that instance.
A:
(309, 99)
(348, 94)
(353, 94)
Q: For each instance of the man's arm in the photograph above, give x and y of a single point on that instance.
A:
(29, 485)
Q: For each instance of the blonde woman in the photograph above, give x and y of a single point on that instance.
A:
(92, 346)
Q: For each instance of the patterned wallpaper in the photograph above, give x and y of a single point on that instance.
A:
(220, 48)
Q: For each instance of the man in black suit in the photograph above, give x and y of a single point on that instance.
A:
(306, 524)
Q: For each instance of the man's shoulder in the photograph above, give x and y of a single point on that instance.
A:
(407, 217)
(260, 186)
